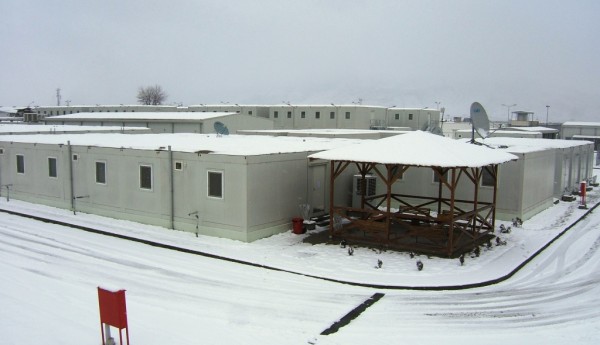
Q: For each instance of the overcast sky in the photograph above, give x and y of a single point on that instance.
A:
(402, 53)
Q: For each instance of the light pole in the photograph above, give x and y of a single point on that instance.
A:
(437, 105)
(508, 110)
(547, 109)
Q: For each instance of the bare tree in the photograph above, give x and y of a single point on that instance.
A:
(151, 95)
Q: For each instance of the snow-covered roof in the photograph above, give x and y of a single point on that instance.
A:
(29, 128)
(236, 145)
(8, 110)
(106, 106)
(583, 136)
(326, 133)
(532, 129)
(419, 149)
(581, 124)
(118, 116)
(523, 145)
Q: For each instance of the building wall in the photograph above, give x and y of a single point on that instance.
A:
(568, 131)
(261, 194)
(233, 122)
(350, 117)
(525, 186)
(538, 182)
(315, 116)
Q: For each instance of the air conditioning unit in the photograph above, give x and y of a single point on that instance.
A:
(370, 187)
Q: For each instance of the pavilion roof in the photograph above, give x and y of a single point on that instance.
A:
(418, 149)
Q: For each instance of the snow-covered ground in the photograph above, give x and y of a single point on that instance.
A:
(50, 274)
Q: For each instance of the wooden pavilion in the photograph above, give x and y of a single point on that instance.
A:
(442, 224)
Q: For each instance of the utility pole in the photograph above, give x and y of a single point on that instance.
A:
(508, 110)
(547, 109)
(58, 97)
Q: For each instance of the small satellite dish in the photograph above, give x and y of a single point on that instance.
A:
(436, 130)
(479, 120)
(220, 128)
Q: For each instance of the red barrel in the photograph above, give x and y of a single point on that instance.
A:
(298, 224)
(582, 192)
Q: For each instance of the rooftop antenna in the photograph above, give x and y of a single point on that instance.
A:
(58, 97)
(221, 129)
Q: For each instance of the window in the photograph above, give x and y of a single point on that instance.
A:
(101, 172)
(215, 184)
(249, 112)
(487, 180)
(317, 115)
(1, 150)
(332, 115)
(75, 157)
(146, 177)
(20, 164)
(444, 175)
(397, 116)
(178, 166)
(347, 115)
(275, 114)
(303, 114)
(52, 172)
(289, 114)
(410, 116)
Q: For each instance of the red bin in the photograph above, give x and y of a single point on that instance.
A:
(298, 225)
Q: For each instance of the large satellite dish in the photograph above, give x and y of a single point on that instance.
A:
(479, 120)
(220, 128)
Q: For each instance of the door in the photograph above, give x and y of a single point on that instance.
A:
(317, 188)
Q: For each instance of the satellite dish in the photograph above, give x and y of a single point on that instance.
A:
(479, 120)
(220, 128)
(436, 130)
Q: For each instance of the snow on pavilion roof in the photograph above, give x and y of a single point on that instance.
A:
(418, 149)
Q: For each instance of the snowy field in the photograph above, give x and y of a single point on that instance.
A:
(50, 275)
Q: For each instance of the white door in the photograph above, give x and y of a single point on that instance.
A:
(317, 186)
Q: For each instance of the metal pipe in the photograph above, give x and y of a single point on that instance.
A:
(69, 150)
(172, 188)
(7, 191)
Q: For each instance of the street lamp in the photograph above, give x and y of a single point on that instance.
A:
(508, 110)
(547, 109)
(437, 105)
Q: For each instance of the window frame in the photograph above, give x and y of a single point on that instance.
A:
(332, 115)
(484, 171)
(444, 175)
(208, 184)
(317, 115)
(50, 166)
(20, 163)
(180, 166)
(104, 170)
(347, 115)
(141, 180)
